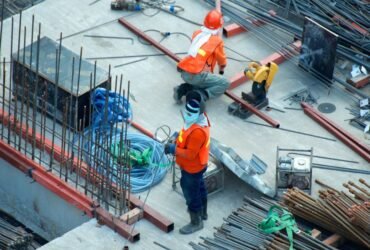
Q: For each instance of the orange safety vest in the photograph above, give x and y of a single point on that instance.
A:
(204, 60)
(200, 162)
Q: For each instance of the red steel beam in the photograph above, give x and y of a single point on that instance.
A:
(149, 39)
(58, 186)
(46, 179)
(152, 215)
(177, 59)
(336, 126)
(159, 220)
(127, 231)
(233, 30)
(341, 134)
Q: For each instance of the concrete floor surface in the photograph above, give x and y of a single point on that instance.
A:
(152, 83)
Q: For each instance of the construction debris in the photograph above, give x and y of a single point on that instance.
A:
(361, 112)
(246, 171)
(304, 95)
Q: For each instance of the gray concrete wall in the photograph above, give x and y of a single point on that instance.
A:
(35, 206)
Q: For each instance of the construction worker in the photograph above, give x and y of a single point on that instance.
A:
(192, 151)
(197, 67)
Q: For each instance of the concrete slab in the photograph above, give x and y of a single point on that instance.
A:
(152, 82)
(31, 204)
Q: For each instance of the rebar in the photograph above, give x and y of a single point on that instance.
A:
(48, 128)
(332, 211)
(240, 231)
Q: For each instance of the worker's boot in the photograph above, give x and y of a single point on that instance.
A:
(204, 210)
(195, 224)
(180, 91)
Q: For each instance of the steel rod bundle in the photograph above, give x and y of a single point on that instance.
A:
(12, 237)
(360, 215)
(335, 211)
(354, 38)
(350, 19)
(240, 231)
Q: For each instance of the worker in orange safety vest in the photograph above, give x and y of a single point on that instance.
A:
(197, 68)
(192, 152)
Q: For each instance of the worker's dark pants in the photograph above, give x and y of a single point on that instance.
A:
(194, 190)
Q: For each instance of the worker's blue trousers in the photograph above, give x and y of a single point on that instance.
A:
(214, 85)
(194, 189)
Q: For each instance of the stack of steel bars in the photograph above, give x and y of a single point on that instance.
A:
(355, 144)
(353, 37)
(280, 32)
(12, 237)
(350, 19)
(334, 211)
(240, 231)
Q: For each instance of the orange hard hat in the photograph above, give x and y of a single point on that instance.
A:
(213, 20)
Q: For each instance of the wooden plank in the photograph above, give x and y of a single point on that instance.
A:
(315, 233)
(132, 216)
(334, 240)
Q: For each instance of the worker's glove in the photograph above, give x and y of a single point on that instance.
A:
(169, 148)
(173, 137)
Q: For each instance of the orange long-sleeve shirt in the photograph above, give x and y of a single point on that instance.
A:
(218, 55)
(188, 157)
(209, 54)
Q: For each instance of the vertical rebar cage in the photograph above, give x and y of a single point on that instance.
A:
(48, 115)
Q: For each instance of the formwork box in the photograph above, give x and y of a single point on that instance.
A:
(44, 80)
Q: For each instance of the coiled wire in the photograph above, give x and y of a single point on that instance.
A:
(98, 139)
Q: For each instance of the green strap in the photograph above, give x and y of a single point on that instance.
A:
(276, 221)
(137, 158)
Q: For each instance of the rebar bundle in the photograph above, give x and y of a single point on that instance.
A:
(335, 211)
(360, 215)
(240, 231)
(350, 19)
(12, 237)
(351, 22)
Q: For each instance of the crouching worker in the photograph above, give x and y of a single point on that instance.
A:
(197, 68)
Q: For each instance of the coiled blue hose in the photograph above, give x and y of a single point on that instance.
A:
(105, 132)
